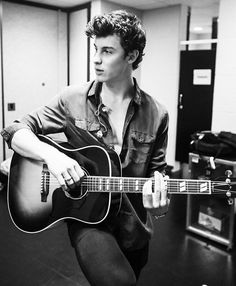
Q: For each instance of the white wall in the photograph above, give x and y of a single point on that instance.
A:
(61, 49)
(1, 123)
(165, 29)
(34, 57)
(78, 47)
(224, 105)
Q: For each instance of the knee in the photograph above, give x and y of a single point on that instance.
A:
(124, 278)
(115, 277)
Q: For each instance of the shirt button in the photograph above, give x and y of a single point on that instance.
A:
(99, 134)
(105, 109)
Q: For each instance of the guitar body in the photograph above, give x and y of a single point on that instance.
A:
(36, 201)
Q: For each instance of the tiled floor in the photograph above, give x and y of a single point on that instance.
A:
(176, 256)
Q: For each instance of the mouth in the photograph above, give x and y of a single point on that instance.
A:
(99, 71)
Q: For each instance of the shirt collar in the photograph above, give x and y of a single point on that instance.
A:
(97, 86)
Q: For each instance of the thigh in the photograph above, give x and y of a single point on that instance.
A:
(100, 257)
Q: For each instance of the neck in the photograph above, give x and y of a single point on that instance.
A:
(116, 92)
(135, 185)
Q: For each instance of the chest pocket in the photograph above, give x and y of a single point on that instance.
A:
(140, 146)
(87, 124)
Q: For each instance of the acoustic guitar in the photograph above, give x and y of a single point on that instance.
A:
(36, 201)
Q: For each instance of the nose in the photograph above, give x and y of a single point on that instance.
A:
(97, 59)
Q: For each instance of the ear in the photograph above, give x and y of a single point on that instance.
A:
(132, 56)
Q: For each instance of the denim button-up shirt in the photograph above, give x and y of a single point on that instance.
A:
(80, 114)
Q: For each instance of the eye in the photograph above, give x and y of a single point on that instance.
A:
(107, 51)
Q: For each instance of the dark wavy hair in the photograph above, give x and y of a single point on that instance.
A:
(125, 25)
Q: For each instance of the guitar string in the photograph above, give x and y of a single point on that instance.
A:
(190, 186)
(116, 180)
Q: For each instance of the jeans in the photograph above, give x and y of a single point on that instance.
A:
(101, 259)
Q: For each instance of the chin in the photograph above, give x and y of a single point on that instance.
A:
(101, 79)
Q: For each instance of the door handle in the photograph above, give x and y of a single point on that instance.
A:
(180, 103)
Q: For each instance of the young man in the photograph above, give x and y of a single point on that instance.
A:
(116, 114)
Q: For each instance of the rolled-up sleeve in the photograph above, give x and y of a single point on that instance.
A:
(8, 132)
(45, 120)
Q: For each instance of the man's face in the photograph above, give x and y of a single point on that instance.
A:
(110, 62)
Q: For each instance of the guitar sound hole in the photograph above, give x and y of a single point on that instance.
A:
(80, 191)
(76, 193)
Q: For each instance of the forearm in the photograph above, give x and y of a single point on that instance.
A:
(67, 171)
(27, 144)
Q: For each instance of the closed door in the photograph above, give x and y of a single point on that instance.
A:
(197, 71)
(78, 47)
(34, 58)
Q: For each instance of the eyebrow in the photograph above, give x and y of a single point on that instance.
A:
(106, 47)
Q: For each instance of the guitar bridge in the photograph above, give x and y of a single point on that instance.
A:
(45, 183)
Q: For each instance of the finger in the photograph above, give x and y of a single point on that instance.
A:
(164, 195)
(156, 199)
(156, 196)
(62, 182)
(158, 186)
(68, 180)
(79, 170)
(147, 194)
(159, 182)
(74, 175)
(164, 199)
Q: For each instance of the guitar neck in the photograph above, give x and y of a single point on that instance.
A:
(135, 185)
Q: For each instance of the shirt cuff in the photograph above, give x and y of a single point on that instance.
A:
(8, 132)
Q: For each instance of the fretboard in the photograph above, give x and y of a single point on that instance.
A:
(135, 185)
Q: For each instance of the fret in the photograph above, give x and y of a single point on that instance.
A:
(192, 188)
(95, 183)
(126, 185)
(93, 188)
(131, 185)
(112, 184)
(116, 185)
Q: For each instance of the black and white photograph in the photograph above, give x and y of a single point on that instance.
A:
(118, 143)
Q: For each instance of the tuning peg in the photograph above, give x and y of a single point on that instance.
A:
(228, 173)
(230, 201)
(228, 194)
(212, 163)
